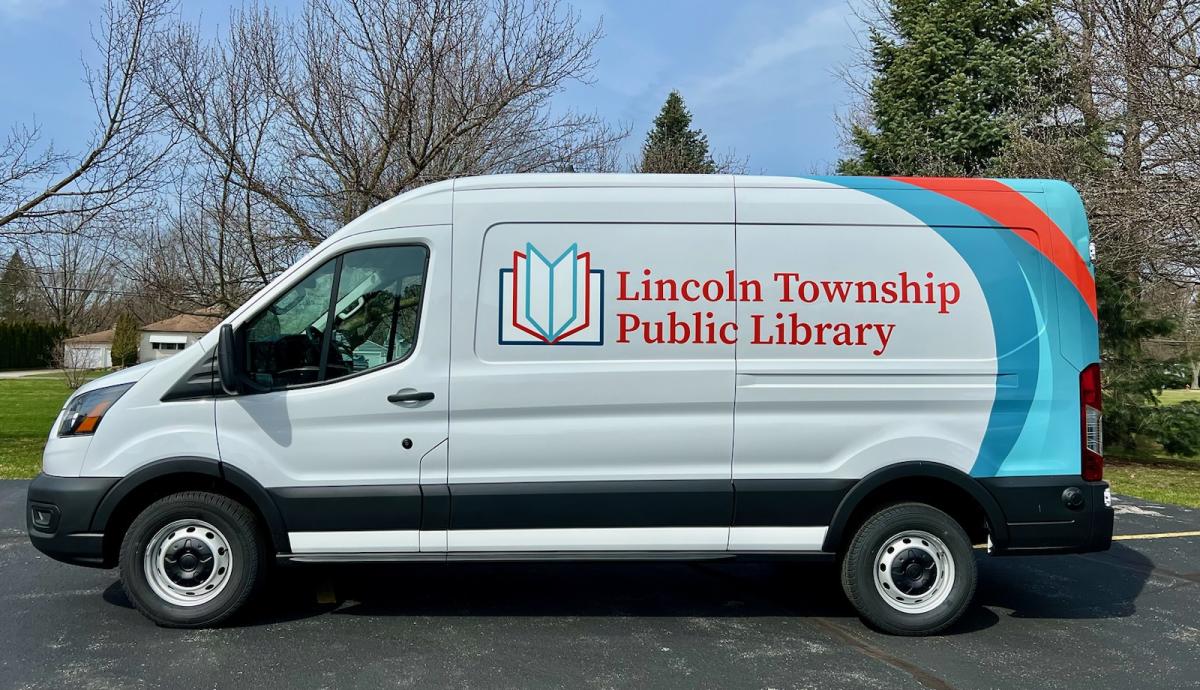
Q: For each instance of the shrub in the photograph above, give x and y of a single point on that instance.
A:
(1177, 428)
(126, 339)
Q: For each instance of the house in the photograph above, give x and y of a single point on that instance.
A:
(164, 338)
(158, 340)
(89, 351)
(369, 354)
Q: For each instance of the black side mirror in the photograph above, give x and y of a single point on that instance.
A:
(227, 363)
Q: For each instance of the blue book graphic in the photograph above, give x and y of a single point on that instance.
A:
(555, 299)
(556, 286)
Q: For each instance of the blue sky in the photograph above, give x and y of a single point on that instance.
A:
(758, 75)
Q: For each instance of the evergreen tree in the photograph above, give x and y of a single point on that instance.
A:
(16, 287)
(949, 79)
(28, 345)
(1132, 379)
(672, 146)
(126, 339)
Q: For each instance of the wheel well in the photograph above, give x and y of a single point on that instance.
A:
(139, 498)
(939, 493)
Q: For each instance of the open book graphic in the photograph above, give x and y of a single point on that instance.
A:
(551, 299)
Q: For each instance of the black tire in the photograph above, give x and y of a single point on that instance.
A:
(859, 565)
(238, 528)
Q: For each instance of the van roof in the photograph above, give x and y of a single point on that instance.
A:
(528, 180)
(429, 204)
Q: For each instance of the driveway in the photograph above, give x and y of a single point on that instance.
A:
(1126, 618)
(24, 373)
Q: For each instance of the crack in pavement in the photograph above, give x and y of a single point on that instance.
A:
(1193, 578)
(921, 675)
(925, 678)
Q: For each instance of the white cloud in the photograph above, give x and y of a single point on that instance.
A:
(826, 29)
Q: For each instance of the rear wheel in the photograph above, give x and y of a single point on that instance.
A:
(910, 570)
(192, 559)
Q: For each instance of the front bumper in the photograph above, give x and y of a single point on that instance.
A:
(1054, 514)
(58, 517)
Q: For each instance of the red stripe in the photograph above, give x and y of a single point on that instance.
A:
(1012, 210)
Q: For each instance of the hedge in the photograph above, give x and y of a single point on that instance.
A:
(27, 344)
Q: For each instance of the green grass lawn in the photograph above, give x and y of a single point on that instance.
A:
(1150, 473)
(1163, 480)
(1174, 397)
(28, 407)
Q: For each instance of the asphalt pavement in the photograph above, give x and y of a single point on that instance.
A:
(1127, 618)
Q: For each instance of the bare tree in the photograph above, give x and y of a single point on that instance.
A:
(307, 123)
(1135, 82)
(1183, 303)
(73, 364)
(39, 182)
(214, 245)
(73, 272)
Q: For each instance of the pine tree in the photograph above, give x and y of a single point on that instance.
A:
(672, 146)
(126, 339)
(949, 79)
(16, 288)
(1132, 379)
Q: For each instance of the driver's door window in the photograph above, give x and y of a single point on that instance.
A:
(354, 313)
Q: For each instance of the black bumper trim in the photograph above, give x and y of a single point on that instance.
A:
(1040, 522)
(351, 507)
(73, 501)
(599, 504)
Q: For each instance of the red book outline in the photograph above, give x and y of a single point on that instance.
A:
(587, 297)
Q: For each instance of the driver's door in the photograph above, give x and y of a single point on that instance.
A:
(342, 460)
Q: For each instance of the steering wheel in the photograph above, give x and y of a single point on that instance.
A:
(341, 349)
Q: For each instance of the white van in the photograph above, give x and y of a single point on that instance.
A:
(879, 371)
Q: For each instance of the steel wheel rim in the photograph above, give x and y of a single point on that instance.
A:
(188, 562)
(914, 571)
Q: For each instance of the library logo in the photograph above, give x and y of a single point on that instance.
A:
(551, 301)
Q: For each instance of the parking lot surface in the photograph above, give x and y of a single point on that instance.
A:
(1127, 618)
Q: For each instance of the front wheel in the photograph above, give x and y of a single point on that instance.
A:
(910, 570)
(192, 559)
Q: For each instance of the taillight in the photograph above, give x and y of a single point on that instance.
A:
(1091, 425)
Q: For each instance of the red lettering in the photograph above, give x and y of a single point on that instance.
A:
(746, 286)
(627, 323)
(836, 290)
(787, 284)
(809, 292)
(729, 333)
(949, 295)
(621, 294)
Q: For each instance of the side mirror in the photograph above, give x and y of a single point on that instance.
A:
(227, 364)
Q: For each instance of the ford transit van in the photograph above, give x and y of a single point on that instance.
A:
(885, 373)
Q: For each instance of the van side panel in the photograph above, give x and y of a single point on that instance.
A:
(562, 418)
(809, 412)
(845, 367)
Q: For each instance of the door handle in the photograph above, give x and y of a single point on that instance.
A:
(410, 396)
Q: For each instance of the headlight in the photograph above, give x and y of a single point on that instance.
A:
(85, 410)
